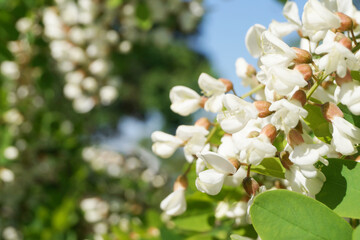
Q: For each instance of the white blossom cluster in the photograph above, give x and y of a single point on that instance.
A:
(316, 73)
(81, 40)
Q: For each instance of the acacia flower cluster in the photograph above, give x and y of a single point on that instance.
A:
(289, 82)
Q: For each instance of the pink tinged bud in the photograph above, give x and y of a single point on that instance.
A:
(305, 70)
(357, 159)
(269, 131)
(228, 84)
(250, 185)
(235, 163)
(346, 23)
(302, 56)
(299, 127)
(203, 122)
(299, 96)
(343, 40)
(330, 111)
(285, 161)
(250, 71)
(263, 108)
(326, 84)
(181, 182)
(203, 101)
(294, 138)
(340, 81)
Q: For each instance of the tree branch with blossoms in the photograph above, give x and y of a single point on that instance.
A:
(301, 133)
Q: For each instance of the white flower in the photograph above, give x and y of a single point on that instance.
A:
(291, 13)
(308, 154)
(309, 183)
(338, 57)
(246, 72)
(184, 101)
(287, 114)
(349, 95)
(275, 51)
(211, 181)
(281, 29)
(254, 150)
(238, 112)
(281, 79)
(214, 90)
(345, 136)
(108, 94)
(253, 40)
(164, 144)
(317, 18)
(174, 204)
(6, 175)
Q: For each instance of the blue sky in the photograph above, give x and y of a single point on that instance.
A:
(223, 31)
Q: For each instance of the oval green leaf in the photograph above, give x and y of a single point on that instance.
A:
(283, 215)
(341, 191)
(270, 167)
(356, 234)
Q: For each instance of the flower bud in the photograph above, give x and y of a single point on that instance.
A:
(263, 108)
(181, 182)
(330, 111)
(250, 71)
(269, 131)
(285, 161)
(343, 40)
(302, 56)
(203, 122)
(300, 96)
(294, 138)
(326, 84)
(305, 70)
(228, 84)
(253, 134)
(340, 81)
(203, 100)
(346, 23)
(235, 163)
(299, 127)
(357, 159)
(250, 185)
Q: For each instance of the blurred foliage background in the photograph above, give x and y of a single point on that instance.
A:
(69, 71)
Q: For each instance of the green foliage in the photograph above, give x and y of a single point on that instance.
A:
(355, 120)
(270, 167)
(317, 123)
(341, 189)
(355, 75)
(356, 234)
(282, 215)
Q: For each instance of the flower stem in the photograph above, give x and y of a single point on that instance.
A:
(314, 87)
(254, 90)
(212, 132)
(353, 36)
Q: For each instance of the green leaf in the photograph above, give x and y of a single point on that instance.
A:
(356, 234)
(317, 123)
(341, 191)
(355, 75)
(283, 215)
(270, 167)
(198, 223)
(349, 116)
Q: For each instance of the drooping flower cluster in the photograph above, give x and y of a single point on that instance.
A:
(290, 82)
(82, 50)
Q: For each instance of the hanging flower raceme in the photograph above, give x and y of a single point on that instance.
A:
(291, 86)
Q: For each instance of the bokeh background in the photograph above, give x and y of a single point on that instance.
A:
(83, 84)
